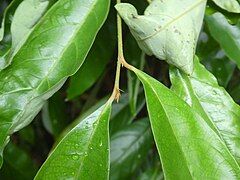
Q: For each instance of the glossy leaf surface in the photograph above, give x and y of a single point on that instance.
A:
(188, 147)
(5, 32)
(7, 18)
(66, 32)
(202, 92)
(83, 153)
(229, 5)
(168, 29)
(121, 115)
(96, 61)
(25, 17)
(129, 148)
(27, 14)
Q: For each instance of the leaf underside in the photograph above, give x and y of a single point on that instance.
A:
(168, 33)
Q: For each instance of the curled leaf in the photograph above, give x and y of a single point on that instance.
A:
(168, 29)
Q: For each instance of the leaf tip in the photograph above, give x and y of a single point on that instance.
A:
(126, 11)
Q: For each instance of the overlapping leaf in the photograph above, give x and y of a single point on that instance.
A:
(168, 33)
(229, 5)
(7, 18)
(212, 102)
(129, 148)
(54, 116)
(226, 35)
(97, 59)
(188, 147)
(5, 31)
(26, 15)
(83, 153)
(58, 46)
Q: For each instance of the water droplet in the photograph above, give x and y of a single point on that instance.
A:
(86, 154)
(100, 144)
(100, 165)
(75, 157)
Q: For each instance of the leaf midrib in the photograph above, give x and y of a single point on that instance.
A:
(220, 133)
(171, 128)
(91, 137)
(57, 60)
(72, 131)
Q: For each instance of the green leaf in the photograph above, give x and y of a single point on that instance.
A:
(181, 21)
(202, 92)
(54, 115)
(66, 32)
(5, 31)
(188, 147)
(129, 148)
(7, 18)
(229, 5)
(226, 35)
(83, 153)
(27, 14)
(18, 164)
(96, 61)
(25, 17)
(82, 116)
